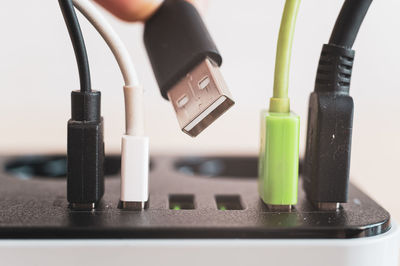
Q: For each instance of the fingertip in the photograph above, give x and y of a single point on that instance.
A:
(131, 10)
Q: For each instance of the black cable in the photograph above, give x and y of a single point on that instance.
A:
(330, 115)
(85, 145)
(78, 43)
(349, 22)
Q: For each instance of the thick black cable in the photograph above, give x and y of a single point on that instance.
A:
(78, 43)
(330, 115)
(349, 22)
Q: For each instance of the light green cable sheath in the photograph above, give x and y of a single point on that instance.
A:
(280, 101)
(280, 128)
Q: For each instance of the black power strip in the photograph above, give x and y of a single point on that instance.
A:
(213, 197)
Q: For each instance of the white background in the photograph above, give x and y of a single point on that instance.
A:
(38, 71)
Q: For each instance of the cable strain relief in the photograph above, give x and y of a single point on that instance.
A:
(279, 105)
(134, 110)
(334, 69)
(86, 106)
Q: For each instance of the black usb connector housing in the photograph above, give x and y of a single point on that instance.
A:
(186, 65)
(330, 124)
(330, 114)
(85, 151)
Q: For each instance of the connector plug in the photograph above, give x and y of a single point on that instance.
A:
(279, 159)
(330, 123)
(186, 64)
(327, 161)
(280, 128)
(200, 98)
(85, 151)
(134, 172)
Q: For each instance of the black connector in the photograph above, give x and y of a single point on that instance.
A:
(85, 154)
(330, 123)
(330, 113)
(176, 41)
(85, 151)
(186, 65)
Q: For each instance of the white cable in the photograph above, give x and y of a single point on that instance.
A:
(111, 38)
(135, 146)
(133, 93)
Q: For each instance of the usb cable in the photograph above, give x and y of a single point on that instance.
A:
(330, 116)
(280, 128)
(85, 149)
(186, 65)
(135, 145)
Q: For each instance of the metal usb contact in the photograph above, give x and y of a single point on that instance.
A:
(200, 98)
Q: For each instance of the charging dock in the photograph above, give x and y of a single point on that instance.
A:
(189, 198)
(202, 211)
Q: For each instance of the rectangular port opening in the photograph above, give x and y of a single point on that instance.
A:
(228, 202)
(181, 202)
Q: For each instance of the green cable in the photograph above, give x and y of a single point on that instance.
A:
(280, 101)
(280, 128)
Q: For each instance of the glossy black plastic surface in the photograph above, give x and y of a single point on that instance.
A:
(177, 40)
(330, 127)
(200, 207)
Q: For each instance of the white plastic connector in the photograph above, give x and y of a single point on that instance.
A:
(135, 153)
(135, 169)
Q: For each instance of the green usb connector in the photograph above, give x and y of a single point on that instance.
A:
(280, 128)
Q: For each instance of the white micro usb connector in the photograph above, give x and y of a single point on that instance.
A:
(134, 172)
(134, 153)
